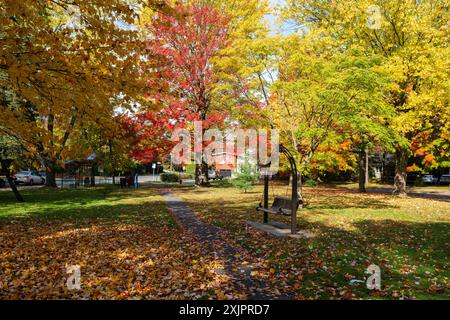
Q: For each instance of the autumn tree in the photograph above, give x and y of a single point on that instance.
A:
(323, 97)
(182, 85)
(114, 141)
(248, 66)
(412, 39)
(65, 65)
(149, 136)
(315, 94)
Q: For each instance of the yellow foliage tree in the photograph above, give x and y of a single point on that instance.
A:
(66, 65)
(412, 38)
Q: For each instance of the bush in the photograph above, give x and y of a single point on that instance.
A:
(247, 177)
(311, 183)
(170, 177)
(225, 183)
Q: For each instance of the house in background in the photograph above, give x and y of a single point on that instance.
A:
(228, 164)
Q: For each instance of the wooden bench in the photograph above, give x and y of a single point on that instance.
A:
(281, 206)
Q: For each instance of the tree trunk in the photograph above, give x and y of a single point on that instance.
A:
(205, 174)
(198, 174)
(367, 168)
(201, 175)
(112, 163)
(93, 176)
(400, 172)
(300, 187)
(50, 174)
(363, 169)
(13, 187)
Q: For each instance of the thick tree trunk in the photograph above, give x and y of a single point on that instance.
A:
(201, 175)
(367, 168)
(201, 170)
(400, 172)
(50, 174)
(363, 169)
(198, 174)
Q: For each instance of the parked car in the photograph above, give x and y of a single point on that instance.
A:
(429, 179)
(213, 175)
(29, 178)
(417, 178)
(445, 179)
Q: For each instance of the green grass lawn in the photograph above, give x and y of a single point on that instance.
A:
(85, 205)
(408, 238)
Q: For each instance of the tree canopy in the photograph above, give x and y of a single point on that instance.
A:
(116, 77)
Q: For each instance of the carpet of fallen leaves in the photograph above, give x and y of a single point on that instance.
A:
(126, 244)
(408, 239)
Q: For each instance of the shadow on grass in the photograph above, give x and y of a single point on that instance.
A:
(84, 205)
(45, 195)
(413, 256)
(151, 212)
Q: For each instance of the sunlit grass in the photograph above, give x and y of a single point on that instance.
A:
(104, 203)
(407, 238)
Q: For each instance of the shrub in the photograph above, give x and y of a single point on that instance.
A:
(247, 176)
(170, 177)
(311, 183)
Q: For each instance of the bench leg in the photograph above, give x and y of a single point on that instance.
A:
(294, 218)
(266, 198)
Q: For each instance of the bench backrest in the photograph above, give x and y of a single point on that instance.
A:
(282, 203)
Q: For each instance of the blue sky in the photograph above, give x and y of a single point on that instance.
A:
(286, 28)
(272, 18)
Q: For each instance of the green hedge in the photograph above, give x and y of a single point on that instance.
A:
(170, 177)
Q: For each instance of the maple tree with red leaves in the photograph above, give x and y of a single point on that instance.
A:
(181, 86)
(141, 145)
